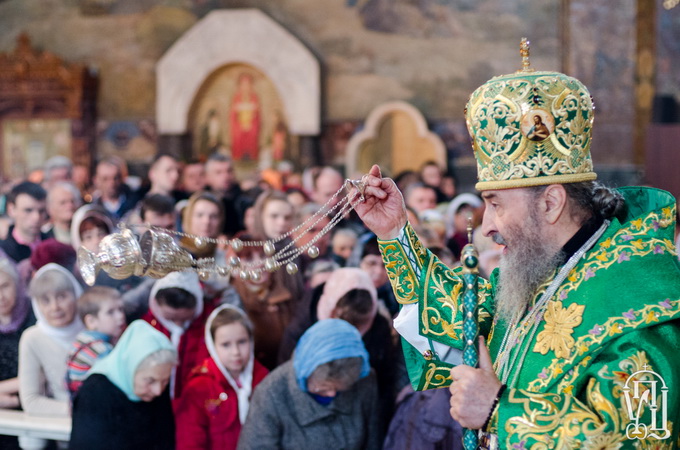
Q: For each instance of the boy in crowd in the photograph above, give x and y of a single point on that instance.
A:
(101, 310)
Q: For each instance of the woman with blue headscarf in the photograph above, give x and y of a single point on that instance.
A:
(326, 397)
(124, 403)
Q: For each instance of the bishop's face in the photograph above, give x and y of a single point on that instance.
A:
(505, 213)
(513, 219)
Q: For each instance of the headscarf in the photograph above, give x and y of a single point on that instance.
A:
(340, 283)
(83, 213)
(137, 342)
(454, 206)
(21, 302)
(186, 280)
(246, 378)
(62, 335)
(207, 249)
(52, 251)
(326, 341)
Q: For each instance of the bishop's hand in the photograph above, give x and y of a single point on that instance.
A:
(383, 210)
(473, 391)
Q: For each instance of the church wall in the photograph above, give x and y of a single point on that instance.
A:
(431, 53)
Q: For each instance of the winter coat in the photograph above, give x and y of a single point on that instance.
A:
(282, 416)
(191, 350)
(106, 419)
(207, 413)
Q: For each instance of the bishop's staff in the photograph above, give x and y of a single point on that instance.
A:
(470, 263)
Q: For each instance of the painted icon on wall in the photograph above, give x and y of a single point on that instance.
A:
(28, 143)
(238, 112)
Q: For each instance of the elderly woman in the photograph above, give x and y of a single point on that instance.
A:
(124, 403)
(349, 294)
(15, 317)
(44, 347)
(326, 397)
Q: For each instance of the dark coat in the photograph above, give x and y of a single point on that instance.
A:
(204, 419)
(282, 416)
(423, 421)
(104, 418)
(18, 252)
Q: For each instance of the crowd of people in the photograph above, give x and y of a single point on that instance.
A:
(277, 361)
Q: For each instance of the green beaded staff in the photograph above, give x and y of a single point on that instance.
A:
(470, 263)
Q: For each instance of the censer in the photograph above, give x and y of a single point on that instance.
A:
(156, 253)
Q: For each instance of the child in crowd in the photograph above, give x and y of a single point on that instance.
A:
(89, 226)
(176, 309)
(216, 399)
(342, 245)
(101, 310)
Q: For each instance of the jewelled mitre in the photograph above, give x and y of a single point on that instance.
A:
(531, 128)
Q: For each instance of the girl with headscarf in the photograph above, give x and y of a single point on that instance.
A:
(124, 402)
(216, 399)
(44, 347)
(326, 397)
(177, 309)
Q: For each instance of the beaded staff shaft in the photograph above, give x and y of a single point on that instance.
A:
(470, 263)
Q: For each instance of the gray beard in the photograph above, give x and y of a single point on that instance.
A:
(528, 263)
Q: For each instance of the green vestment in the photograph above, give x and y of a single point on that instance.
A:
(608, 341)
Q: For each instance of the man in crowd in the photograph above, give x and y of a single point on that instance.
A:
(326, 183)
(420, 197)
(164, 176)
(221, 180)
(580, 320)
(57, 169)
(193, 177)
(158, 210)
(63, 199)
(26, 207)
(110, 191)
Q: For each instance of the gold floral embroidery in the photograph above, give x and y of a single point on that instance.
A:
(629, 320)
(399, 272)
(440, 308)
(567, 422)
(638, 239)
(559, 326)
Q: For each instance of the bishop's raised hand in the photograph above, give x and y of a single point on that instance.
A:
(383, 210)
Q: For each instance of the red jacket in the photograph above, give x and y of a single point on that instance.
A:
(204, 418)
(191, 351)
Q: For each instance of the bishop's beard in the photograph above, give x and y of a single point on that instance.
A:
(527, 263)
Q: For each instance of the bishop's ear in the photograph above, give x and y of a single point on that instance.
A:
(554, 202)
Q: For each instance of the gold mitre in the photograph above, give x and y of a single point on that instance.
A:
(531, 128)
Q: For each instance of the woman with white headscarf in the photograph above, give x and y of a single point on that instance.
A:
(177, 309)
(44, 347)
(215, 402)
